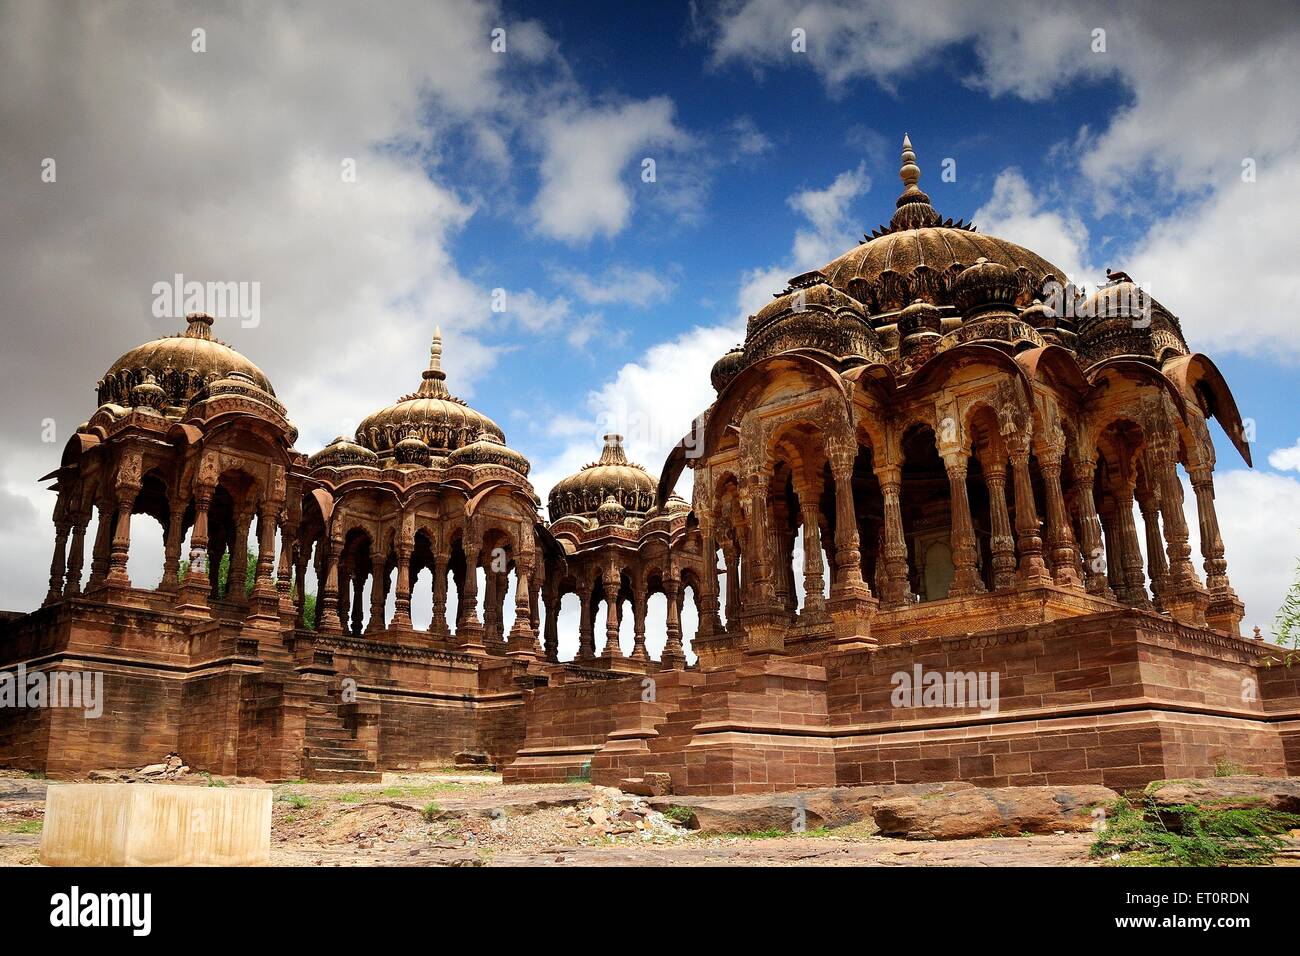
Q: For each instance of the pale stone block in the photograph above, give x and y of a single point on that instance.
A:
(127, 824)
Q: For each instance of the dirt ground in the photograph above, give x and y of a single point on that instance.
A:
(470, 819)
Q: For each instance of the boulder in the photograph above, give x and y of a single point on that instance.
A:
(1230, 793)
(799, 810)
(651, 785)
(980, 812)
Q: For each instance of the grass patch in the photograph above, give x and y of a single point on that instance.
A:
(212, 783)
(22, 826)
(416, 793)
(353, 798)
(1223, 768)
(295, 800)
(680, 814)
(1203, 836)
(431, 811)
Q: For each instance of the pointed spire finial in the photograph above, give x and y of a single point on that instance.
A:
(910, 173)
(435, 350)
(914, 210)
(434, 378)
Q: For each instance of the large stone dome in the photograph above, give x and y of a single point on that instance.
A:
(630, 485)
(437, 417)
(181, 365)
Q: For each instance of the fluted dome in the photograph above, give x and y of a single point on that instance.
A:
(342, 452)
(1121, 318)
(630, 485)
(919, 255)
(610, 512)
(727, 367)
(438, 418)
(178, 366)
(488, 449)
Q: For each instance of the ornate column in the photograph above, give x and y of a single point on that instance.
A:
(59, 562)
(523, 639)
(709, 625)
(966, 579)
(193, 598)
(438, 626)
(264, 603)
(331, 621)
(469, 630)
(586, 624)
(731, 561)
(1002, 543)
(551, 624)
(128, 487)
(347, 584)
(172, 547)
(674, 655)
(237, 577)
(613, 582)
(285, 574)
(1185, 597)
(76, 555)
(378, 582)
(852, 605)
(639, 652)
(1060, 536)
(491, 618)
(814, 581)
(302, 554)
(1094, 553)
(402, 608)
(103, 543)
(898, 592)
(1132, 590)
(1157, 571)
(1225, 610)
(1028, 541)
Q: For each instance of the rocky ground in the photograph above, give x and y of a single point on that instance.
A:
(459, 818)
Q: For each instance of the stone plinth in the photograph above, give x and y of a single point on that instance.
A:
(147, 825)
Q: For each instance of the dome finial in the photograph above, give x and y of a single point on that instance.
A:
(434, 384)
(199, 326)
(914, 210)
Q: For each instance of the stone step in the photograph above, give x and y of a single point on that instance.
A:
(330, 775)
(315, 749)
(351, 762)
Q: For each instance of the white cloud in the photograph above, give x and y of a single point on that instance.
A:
(1014, 212)
(1286, 459)
(618, 284)
(587, 153)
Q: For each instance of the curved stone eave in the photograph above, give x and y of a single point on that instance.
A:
(936, 368)
(1056, 363)
(1143, 371)
(1186, 371)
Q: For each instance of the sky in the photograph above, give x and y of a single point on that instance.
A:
(589, 199)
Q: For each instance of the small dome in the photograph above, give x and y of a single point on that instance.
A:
(180, 365)
(441, 420)
(342, 452)
(984, 285)
(611, 512)
(613, 475)
(727, 368)
(412, 450)
(489, 450)
(676, 504)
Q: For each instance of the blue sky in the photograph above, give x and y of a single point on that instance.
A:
(521, 170)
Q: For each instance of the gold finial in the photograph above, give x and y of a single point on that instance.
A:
(435, 350)
(910, 173)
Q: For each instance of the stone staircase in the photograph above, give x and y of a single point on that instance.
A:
(331, 753)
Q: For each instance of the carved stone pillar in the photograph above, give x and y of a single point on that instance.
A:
(966, 579)
(586, 624)
(330, 621)
(1225, 610)
(1094, 553)
(117, 576)
(814, 581)
(1002, 543)
(378, 585)
(99, 552)
(731, 560)
(402, 604)
(612, 582)
(285, 572)
(193, 599)
(438, 626)
(347, 586)
(639, 652)
(302, 554)
(491, 607)
(58, 563)
(469, 630)
(551, 623)
(172, 548)
(1157, 570)
(852, 605)
(237, 577)
(76, 555)
(1060, 536)
(674, 656)
(264, 603)
(523, 639)
(897, 589)
(1186, 598)
(1028, 539)
(709, 625)
(1132, 590)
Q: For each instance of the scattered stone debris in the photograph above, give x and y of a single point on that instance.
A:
(651, 785)
(611, 814)
(472, 758)
(172, 768)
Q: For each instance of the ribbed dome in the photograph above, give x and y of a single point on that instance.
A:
(920, 254)
(342, 452)
(441, 420)
(630, 485)
(488, 449)
(181, 365)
